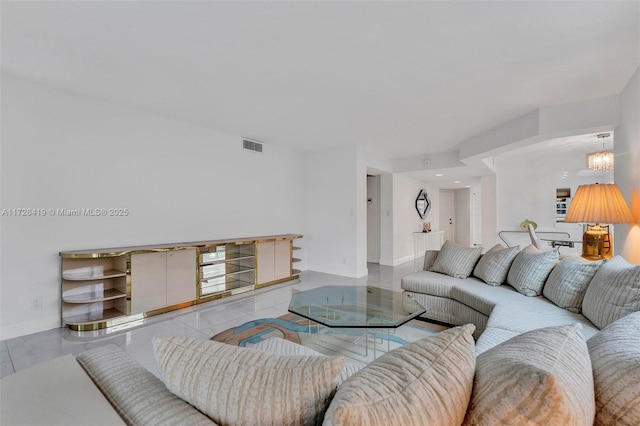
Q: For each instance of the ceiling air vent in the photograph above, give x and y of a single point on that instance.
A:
(252, 145)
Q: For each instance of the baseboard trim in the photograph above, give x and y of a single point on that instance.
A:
(17, 330)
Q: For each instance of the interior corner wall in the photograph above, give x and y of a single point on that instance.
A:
(627, 168)
(179, 182)
(476, 205)
(331, 208)
(489, 231)
(386, 219)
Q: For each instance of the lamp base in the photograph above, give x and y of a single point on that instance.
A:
(597, 243)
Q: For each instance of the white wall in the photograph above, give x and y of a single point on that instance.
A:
(627, 167)
(476, 213)
(370, 160)
(386, 219)
(331, 200)
(405, 216)
(526, 189)
(180, 182)
(488, 227)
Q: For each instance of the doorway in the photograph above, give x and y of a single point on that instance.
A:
(373, 219)
(448, 214)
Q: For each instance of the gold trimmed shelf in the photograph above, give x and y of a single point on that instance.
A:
(91, 275)
(94, 296)
(226, 286)
(122, 251)
(93, 318)
(228, 271)
(226, 257)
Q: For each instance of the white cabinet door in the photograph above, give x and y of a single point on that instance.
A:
(181, 276)
(282, 259)
(274, 261)
(265, 253)
(148, 281)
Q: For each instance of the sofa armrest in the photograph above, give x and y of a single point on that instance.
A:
(139, 397)
(429, 258)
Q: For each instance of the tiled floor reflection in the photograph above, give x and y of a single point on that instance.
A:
(202, 321)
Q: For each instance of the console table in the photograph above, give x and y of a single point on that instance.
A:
(106, 287)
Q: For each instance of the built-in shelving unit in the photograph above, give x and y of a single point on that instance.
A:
(105, 287)
(227, 269)
(93, 290)
(295, 259)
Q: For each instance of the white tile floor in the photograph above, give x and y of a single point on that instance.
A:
(202, 321)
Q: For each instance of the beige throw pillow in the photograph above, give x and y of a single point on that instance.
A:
(423, 383)
(493, 266)
(455, 260)
(530, 270)
(615, 356)
(242, 386)
(541, 377)
(613, 293)
(568, 282)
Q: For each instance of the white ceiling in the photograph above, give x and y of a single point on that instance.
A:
(407, 78)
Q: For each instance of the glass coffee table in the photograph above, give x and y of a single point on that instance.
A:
(356, 307)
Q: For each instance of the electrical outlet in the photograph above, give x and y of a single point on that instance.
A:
(36, 303)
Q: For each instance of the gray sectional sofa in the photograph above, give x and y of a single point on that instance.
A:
(534, 362)
(501, 312)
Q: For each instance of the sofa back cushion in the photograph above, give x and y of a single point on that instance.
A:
(427, 382)
(530, 269)
(613, 292)
(568, 282)
(455, 260)
(541, 377)
(234, 385)
(493, 266)
(615, 357)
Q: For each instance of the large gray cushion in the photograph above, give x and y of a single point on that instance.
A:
(492, 268)
(455, 260)
(615, 356)
(242, 386)
(542, 377)
(568, 282)
(278, 346)
(613, 293)
(530, 269)
(427, 382)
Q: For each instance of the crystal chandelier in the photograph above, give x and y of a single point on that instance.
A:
(601, 161)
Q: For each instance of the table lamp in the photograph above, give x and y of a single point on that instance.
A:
(597, 203)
